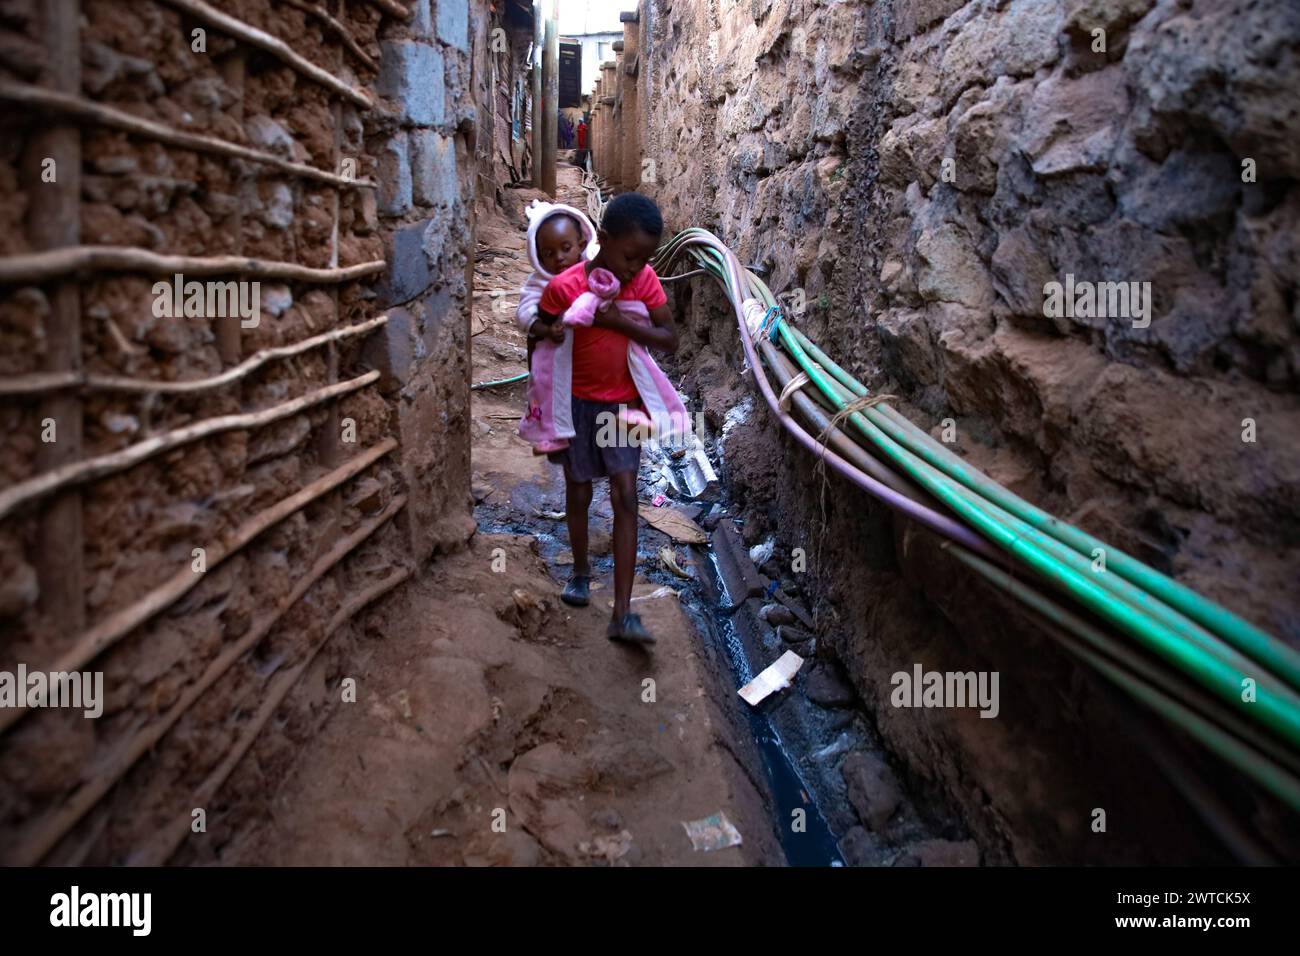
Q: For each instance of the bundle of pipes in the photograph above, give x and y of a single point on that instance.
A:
(596, 203)
(1230, 685)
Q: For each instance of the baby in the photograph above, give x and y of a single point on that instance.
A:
(558, 237)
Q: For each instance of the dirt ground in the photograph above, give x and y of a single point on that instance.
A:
(493, 725)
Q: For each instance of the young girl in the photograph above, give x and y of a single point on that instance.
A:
(607, 361)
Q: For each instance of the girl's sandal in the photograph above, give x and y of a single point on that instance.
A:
(577, 592)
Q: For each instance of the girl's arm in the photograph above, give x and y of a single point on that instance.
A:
(661, 336)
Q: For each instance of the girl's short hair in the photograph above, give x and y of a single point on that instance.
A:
(632, 211)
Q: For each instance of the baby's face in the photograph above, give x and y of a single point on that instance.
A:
(559, 244)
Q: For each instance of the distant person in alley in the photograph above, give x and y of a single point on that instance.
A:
(614, 310)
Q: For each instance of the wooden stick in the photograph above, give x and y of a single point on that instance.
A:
(227, 330)
(274, 45)
(46, 834)
(108, 632)
(109, 383)
(161, 848)
(54, 225)
(89, 469)
(57, 263)
(81, 108)
(393, 8)
(337, 29)
(39, 382)
(49, 381)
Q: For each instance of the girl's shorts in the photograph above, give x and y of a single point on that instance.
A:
(598, 448)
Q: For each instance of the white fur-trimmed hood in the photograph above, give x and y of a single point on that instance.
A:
(538, 212)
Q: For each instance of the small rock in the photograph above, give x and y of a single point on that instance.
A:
(120, 424)
(872, 788)
(946, 853)
(277, 208)
(19, 589)
(776, 615)
(826, 688)
(505, 350)
(276, 298)
(842, 720)
(842, 744)
(267, 134)
(117, 165)
(796, 608)
(525, 611)
(860, 848)
(793, 635)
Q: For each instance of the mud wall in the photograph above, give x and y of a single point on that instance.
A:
(914, 172)
(193, 670)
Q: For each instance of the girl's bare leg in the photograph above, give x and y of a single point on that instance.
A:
(577, 499)
(622, 493)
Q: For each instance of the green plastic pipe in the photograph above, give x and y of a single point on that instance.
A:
(1269, 707)
(1121, 588)
(500, 381)
(1166, 681)
(1276, 656)
(1133, 595)
(1273, 778)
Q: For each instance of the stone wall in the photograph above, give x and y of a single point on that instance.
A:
(426, 168)
(920, 170)
(140, 526)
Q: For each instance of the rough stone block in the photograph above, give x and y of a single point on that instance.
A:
(453, 23)
(391, 349)
(411, 75)
(408, 267)
(395, 176)
(421, 22)
(433, 168)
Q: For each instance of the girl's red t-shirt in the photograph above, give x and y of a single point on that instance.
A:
(600, 372)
